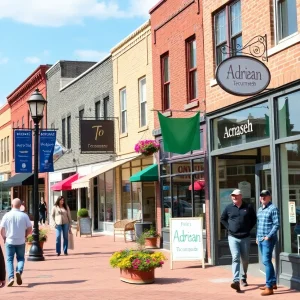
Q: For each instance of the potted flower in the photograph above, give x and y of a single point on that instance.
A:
(147, 147)
(150, 238)
(43, 236)
(137, 266)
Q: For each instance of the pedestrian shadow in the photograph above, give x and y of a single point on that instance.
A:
(33, 284)
(171, 280)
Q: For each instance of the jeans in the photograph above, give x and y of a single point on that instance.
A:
(64, 230)
(11, 250)
(239, 249)
(266, 249)
(42, 217)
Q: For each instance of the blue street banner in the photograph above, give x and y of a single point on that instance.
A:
(23, 151)
(47, 145)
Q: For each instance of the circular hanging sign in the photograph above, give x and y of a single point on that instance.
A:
(243, 76)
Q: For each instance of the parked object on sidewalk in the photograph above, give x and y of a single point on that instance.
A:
(43, 236)
(71, 241)
(137, 266)
(150, 238)
(123, 227)
(84, 223)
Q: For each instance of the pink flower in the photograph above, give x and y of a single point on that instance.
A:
(161, 262)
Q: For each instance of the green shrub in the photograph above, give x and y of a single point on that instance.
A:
(42, 236)
(83, 213)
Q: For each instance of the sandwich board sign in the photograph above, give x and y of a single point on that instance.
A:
(186, 240)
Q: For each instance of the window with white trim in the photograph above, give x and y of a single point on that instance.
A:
(286, 18)
(123, 106)
(143, 101)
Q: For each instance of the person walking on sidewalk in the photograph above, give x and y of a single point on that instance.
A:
(42, 211)
(267, 226)
(2, 269)
(239, 218)
(15, 227)
(61, 217)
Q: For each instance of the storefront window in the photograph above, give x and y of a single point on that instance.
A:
(109, 196)
(136, 195)
(126, 203)
(4, 197)
(290, 191)
(288, 108)
(241, 127)
(166, 196)
(102, 198)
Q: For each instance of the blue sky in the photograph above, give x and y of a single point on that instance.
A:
(34, 32)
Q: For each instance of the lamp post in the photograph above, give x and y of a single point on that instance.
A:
(36, 104)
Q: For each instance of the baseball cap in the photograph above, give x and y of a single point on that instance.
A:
(236, 192)
(265, 193)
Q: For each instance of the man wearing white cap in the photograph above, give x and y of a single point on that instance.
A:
(239, 218)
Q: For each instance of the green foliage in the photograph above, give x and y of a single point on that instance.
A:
(150, 233)
(43, 236)
(141, 260)
(83, 213)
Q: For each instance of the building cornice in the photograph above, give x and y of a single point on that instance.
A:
(4, 108)
(28, 84)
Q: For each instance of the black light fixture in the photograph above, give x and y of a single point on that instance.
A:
(36, 104)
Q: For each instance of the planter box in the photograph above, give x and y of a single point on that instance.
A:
(151, 242)
(137, 277)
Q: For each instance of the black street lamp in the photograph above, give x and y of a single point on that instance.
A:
(36, 104)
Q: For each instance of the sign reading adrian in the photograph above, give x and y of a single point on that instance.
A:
(243, 75)
(97, 136)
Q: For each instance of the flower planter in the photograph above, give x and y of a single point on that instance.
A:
(151, 242)
(137, 277)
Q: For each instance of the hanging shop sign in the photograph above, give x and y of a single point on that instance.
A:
(47, 146)
(97, 136)
(23, 151)
(243, 75)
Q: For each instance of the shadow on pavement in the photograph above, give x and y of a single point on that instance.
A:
(171, 280)
(31, 285)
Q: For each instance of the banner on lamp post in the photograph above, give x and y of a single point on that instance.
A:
(23, 151)
(47, 145)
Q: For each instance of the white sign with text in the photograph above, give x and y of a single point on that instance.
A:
(243, 75)
(186, 240)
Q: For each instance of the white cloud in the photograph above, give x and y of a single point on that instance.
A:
(3, 59)
(32, 60)
(56, 13)
(90, 55)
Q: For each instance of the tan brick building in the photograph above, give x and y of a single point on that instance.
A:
(265, 153)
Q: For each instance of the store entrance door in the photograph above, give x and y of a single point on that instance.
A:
(263, 181)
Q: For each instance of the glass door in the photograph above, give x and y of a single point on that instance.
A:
(263, 181)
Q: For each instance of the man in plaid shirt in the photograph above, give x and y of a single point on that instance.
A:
(266, 238)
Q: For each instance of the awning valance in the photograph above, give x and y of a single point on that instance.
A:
(66, 184)
(84, 181)
(148, 174)
(21, 179)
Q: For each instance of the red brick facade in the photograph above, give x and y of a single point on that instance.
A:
(257, 19)
(20, 117)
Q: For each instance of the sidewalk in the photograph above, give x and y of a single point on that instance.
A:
(86, 274)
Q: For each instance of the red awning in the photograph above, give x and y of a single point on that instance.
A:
(198, 185)
(66, 184)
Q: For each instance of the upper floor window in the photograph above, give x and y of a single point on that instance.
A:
(228, 31)
(63, 131)
(97, 110)
(4, 150)
(105, 107)
(143, 102)
(69, 132)
(81, 114)
(23, 124)
(165, 75)
(123, 104)
(286, 16)
(52, 125)
(1, 151)
(192, 69)
(7, 149)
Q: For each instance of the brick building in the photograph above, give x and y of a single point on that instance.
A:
(78, 91)
(267, 155)
(22, 184)
(179, 91)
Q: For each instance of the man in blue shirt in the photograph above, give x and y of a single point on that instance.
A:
(266, 238)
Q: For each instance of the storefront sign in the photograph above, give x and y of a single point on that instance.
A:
(292, 212)
(238, 130)
(97, 136)
(23, 151)
(186, 240)
(243, 76)
(245, 188)
(47, 145)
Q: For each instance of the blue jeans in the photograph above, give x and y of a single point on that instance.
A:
(64, 230)
(11, 250)
(239, 249)
(266, 249)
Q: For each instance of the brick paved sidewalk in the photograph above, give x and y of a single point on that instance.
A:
(86, 274)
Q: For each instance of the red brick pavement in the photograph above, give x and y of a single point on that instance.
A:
(86, 274)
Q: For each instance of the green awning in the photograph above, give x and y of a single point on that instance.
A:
(148, 174)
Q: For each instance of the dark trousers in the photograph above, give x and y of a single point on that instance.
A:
(42, 217)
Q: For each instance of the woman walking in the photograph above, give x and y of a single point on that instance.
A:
(42, 211)
(62, 219)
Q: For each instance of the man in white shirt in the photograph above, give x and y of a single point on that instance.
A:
(15, 226)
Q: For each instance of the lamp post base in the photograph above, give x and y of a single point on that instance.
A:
(35, 253)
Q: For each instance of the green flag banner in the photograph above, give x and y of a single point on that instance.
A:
(180, 135)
